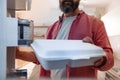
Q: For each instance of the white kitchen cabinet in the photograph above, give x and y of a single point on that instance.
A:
(8, 37)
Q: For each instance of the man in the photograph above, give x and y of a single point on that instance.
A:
(74, 24)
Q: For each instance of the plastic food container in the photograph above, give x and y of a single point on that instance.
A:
(56, 54)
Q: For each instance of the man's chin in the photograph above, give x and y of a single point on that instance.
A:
(68, 10)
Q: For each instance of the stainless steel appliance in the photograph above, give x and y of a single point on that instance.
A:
(25, 31)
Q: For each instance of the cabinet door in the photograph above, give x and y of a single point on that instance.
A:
(19, 4)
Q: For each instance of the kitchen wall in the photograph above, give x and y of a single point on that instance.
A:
(43, 12)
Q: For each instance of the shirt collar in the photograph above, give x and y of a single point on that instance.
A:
(78, 15)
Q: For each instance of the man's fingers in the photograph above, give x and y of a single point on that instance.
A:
(88, 40)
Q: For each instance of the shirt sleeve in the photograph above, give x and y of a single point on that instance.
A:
(101, 39)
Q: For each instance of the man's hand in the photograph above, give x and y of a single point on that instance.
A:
(99, 62)
(88, 40)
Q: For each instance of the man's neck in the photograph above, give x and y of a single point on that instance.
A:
(72, 13)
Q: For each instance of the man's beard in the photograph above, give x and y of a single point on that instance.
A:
(70, 7)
